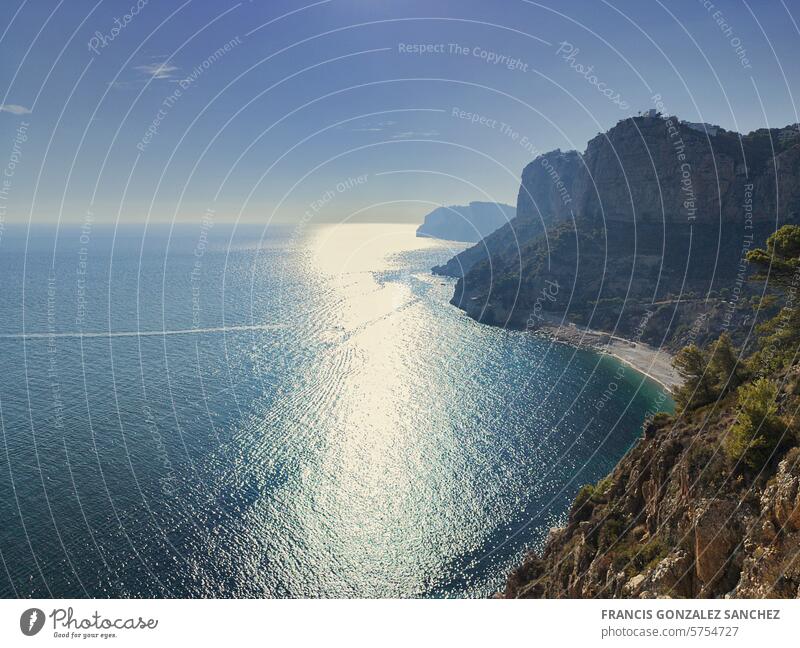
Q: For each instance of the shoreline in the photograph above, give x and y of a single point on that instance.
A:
(655, 364)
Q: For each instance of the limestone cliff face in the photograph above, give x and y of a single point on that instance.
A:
(543, 201)
(653, 170)
(545, 193)
(673, 520)
(661, 170)
(652, 220)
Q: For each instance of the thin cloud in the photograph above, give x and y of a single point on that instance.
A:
(158, 70)
(14, 109)
(415, 134)
(377, 128)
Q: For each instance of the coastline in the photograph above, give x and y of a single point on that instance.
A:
(654, 363)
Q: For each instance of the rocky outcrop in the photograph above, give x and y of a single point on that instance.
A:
(501, 244)
(771, 566)
(651, 223)
(466, 222)
(542, 202)
(675, 520)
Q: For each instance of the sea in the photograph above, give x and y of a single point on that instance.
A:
(210, 410)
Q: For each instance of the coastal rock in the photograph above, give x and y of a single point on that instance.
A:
(468, 223)
(782, 497)
(644, 208)
(618, 239)
(671, 520)
(772, 565)
(672, 576)
(716, 533)
(545, 196)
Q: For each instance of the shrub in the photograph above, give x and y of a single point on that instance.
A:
(583, 506)
(636, 557)
(611, 531)
(757, 431)
(585, 494)
(604, 485)
(660, 419)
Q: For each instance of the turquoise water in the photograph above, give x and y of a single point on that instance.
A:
(190, 413)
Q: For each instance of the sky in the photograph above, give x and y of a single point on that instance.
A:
(280, 111)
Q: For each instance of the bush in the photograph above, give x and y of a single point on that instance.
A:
(583, 505)
(611, 531)
(758, 429)
(636, 557)
(660, 419)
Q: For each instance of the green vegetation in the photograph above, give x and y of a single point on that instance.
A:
(724, 366)
(780, 262)
(729, 448)
(710, 373)
(660, 419)
(779, 338)
(750, 426)
(635, 557)
(758, 430)
(698, 382)
(584, 495)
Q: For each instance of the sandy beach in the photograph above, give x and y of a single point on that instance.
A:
(654, 363)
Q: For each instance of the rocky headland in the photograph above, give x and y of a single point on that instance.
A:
(469, 223)
(678, 243)
(644, 234)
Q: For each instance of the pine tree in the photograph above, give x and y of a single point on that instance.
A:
(758, 430)
(781, 260)
(698, 386)
(724, 366)
(780, 266)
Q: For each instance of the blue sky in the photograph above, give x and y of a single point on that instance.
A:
(275, 109)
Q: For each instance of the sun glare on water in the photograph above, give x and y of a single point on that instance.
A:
(364, 475)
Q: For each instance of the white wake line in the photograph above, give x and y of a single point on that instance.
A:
(112, 334)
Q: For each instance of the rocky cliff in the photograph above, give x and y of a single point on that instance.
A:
(651, 233)
(541, 203)
(707, 503)
(651, 223)
(466, 222)
(677, 519)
